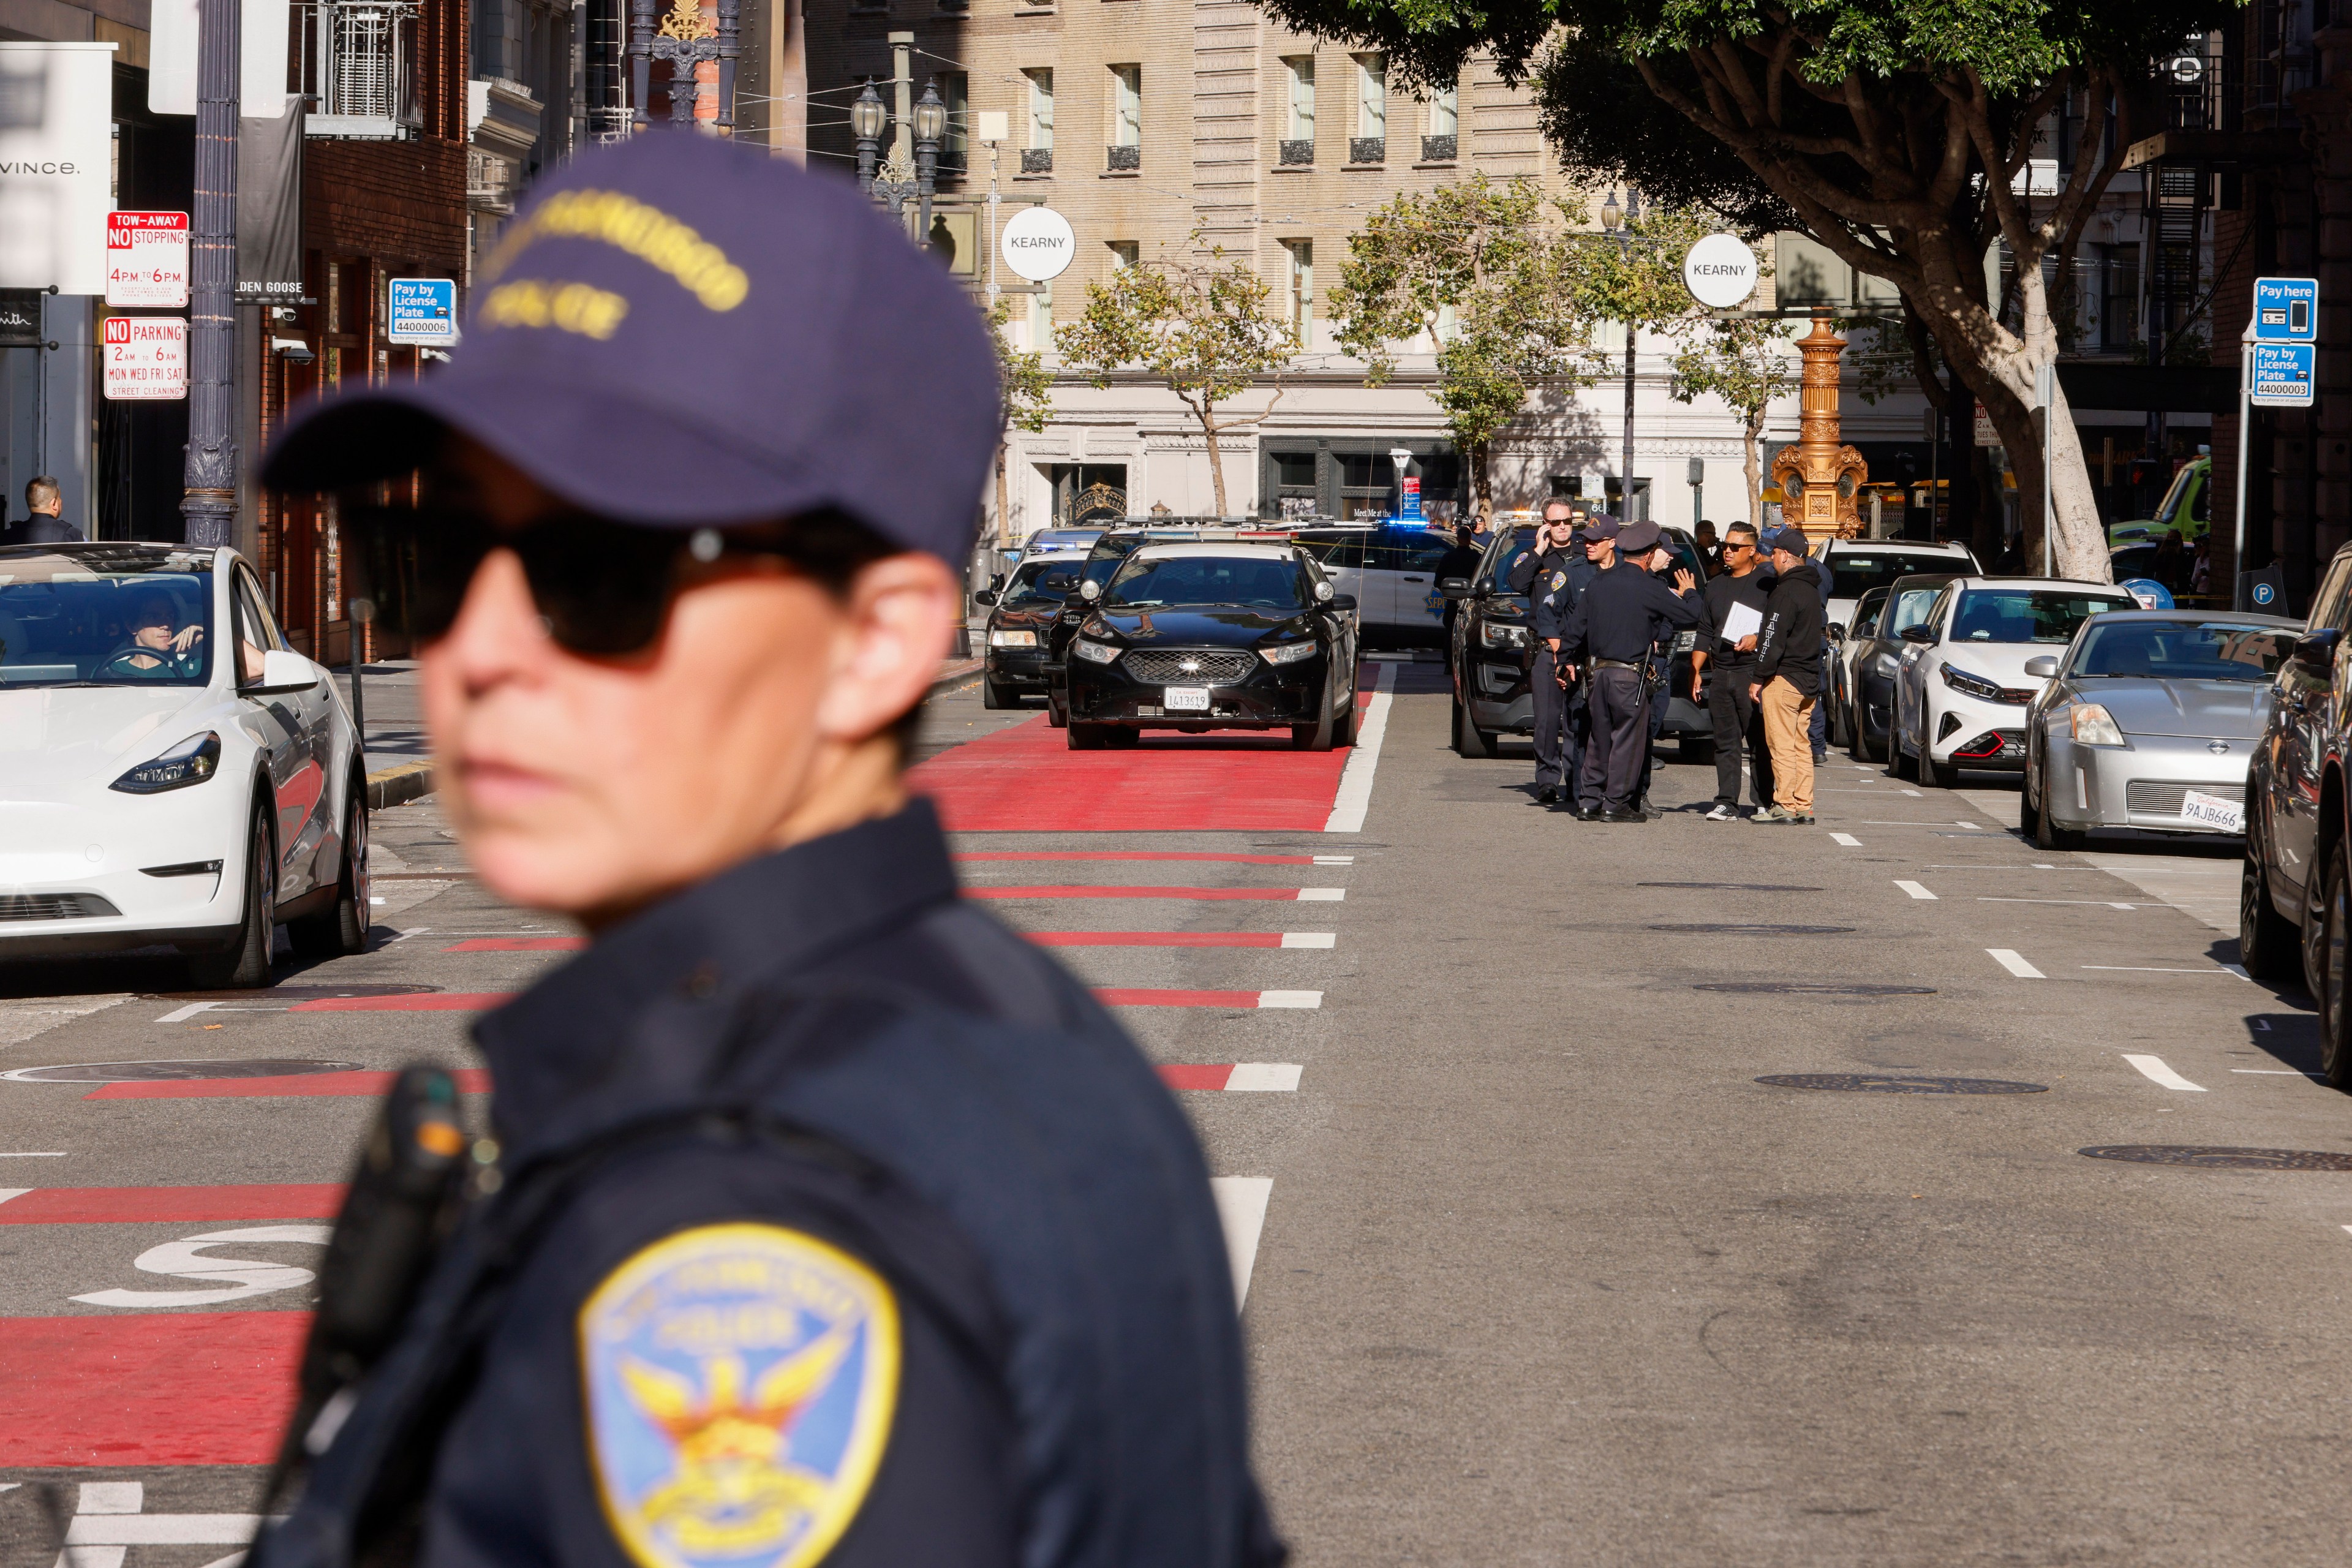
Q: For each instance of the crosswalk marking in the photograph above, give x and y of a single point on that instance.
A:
(2011, 960)
(2155, 1071)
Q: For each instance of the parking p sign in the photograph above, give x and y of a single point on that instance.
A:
(421, 310)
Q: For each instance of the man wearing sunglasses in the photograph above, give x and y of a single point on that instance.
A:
(829, 1221)
(1738, 723)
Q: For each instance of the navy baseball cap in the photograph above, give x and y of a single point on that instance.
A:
(1791, 539)
(683, 332)
(1638, 538)
(1600, 526)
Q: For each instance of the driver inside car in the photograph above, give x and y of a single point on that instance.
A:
(158, 640)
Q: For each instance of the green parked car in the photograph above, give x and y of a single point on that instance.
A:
(2187, 506)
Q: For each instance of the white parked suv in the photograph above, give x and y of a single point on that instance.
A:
(1857, 565)
(170, 773)
(1961, 690)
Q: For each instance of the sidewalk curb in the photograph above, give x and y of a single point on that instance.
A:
(955, 673)
(396, 786)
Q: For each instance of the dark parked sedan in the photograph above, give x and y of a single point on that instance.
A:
(1019, 620)
(1212, 637)
(1870, 691)
(1489, 653)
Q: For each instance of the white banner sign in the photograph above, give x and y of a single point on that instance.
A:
(261, 29)
(56, 155)
(146, 358)
(147, 260)
(1720, 271)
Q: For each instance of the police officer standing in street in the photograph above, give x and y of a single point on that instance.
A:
(1613, 625)
(827, 1221)
(1552, 577)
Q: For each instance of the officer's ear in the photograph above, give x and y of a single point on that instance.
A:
(899, 617)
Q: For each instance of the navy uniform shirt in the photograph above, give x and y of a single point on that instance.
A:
(1553, 587)
(1617, 615)
(708, 1310)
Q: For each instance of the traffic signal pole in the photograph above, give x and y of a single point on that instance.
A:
(208, 503)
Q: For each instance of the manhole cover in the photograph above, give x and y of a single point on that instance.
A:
(165, 1072)
(1881, 1083)
(2222, 1159)
(1737, 929)
(1734, 886)
(293, 994)
(1811, 988)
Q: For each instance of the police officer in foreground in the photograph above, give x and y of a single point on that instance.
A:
(827, 1220)
(1552, 576)
(1612, 627)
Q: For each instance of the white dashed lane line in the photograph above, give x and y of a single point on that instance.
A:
(1848, 840)
(2009, 959)
(1914, 889)
(1241, 1211)
(2154, 1069)
(1321, 895)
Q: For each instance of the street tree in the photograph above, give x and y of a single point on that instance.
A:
(1026, 390)
(1896, 132)
(1480, 269)
(1195, 322)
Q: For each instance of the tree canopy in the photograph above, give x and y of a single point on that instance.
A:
(1896, 132)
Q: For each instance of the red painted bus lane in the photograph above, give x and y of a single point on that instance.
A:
(148, 1388)
(1122, 890)
(328, 1085)
(135, 1205)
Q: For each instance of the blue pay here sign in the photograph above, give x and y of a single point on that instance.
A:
(2286, 310)
(421, 310)
(2283, 375)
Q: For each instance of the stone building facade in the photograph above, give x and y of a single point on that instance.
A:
(1147, 123)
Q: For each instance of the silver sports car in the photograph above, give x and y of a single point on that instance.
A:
(2149, 721)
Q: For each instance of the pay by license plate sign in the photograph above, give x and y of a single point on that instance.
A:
(1186, 699)
(2212, 811)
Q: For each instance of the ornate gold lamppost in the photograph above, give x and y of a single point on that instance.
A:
(1820, 476)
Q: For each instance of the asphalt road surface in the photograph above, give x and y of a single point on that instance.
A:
(1537, 1268)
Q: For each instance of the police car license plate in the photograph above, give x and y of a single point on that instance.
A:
(2212, 811)
(1186, 699)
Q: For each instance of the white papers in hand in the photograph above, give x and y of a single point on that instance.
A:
(1743, 620)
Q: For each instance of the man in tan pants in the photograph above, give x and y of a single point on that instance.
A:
(1788, 675)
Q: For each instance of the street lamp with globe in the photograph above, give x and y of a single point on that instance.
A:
(1613, 219)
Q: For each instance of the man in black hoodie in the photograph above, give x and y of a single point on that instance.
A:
(1787, 680)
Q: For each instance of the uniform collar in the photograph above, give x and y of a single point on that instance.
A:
(633, 1024)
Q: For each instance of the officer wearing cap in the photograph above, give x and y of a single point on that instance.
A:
(827, 1221)
(1612, 627)
(1552, 576)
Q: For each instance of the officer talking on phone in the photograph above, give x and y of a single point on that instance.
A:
(826, 1221)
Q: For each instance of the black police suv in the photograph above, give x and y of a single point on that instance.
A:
(1021, 614)
(1488, 655)
(1213, 635)
(2295, 894)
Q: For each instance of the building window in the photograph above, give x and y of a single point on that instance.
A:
(1037, 149)
(1124, 254)
(1301, 302)
(1041, 321)
(2119, 322)
(1301, 71)
(1126, 106)
(1448, 328)
(1370, 143)
(359, 60)
(1439, 140)
(955, 150)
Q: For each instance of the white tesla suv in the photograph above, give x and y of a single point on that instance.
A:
(170, 773)
(1962, 690)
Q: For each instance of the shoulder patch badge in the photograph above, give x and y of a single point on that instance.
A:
(1559, 581)
(741, 1383)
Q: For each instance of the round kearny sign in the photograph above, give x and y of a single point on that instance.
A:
(1720, 271)
(1038, 243)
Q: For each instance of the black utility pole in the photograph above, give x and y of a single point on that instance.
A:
(209, 503)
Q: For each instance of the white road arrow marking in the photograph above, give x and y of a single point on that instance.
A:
(2156, 1072)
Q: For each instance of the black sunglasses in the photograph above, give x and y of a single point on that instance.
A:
(602, 588)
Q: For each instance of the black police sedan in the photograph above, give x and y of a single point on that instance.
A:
(1214, 635)
(1488, 658)
(1020, 623)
